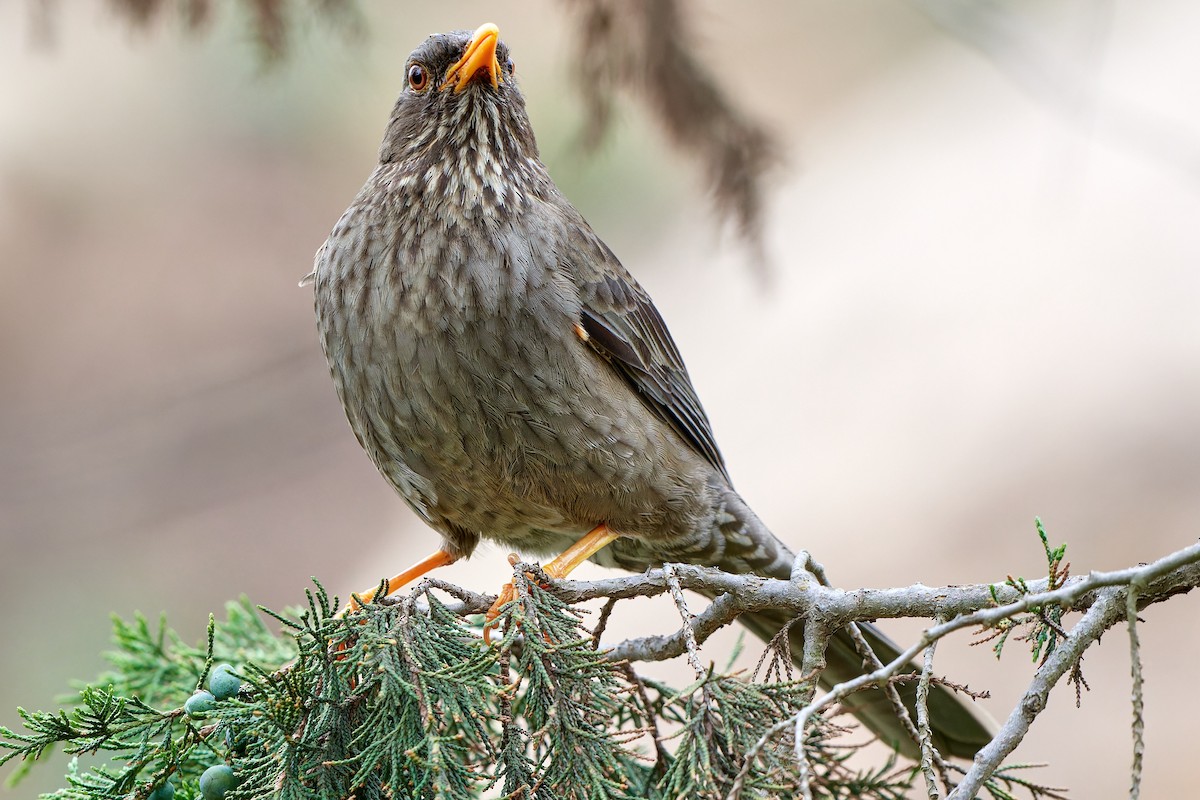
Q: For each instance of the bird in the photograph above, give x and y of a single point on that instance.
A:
(513, 381)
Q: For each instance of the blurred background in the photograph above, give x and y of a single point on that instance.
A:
(982, 304)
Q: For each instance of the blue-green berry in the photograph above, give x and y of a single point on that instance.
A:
(223, 683)
(216, 781)
(199, 702)
(164, 792)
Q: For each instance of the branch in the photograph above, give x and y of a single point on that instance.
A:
(1135, 670)
(734, 595)
(1164, 578)
(1107, 597)
(1104, 613)
(646, 47)
(405, 689)
(643, 47)
(926, 732)
(964, 606)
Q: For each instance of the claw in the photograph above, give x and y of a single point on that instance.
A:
(506, 596)
(491, 619)
(439, 558)
(558, 568)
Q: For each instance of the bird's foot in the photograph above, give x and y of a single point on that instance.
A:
(439, 558)
(508, 593)
(558, 568)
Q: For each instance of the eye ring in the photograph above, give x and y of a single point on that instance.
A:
(418, 77)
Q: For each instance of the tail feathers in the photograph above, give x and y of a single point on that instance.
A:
(958, 729)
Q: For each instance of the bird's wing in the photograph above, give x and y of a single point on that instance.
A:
(620, 323)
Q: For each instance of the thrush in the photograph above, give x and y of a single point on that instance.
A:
(513, 382)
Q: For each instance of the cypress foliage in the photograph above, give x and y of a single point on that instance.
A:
(403, 700)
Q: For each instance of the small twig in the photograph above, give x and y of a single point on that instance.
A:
(735, 789)
(925, 731)
(805, 569)
(406, 651)
(869, 656)
(1096, 621)
(1135, 668)
(804, 768)
(1051, 624)
(1101, 616)
(777, 656)
(812, 664)
(471, 602)
(898, 708)
(723, 610)
(689, 635)
(602, 621)
(816, 642)
(661, 756)
(807, 574)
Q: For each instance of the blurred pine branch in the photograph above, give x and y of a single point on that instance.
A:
(643, 48)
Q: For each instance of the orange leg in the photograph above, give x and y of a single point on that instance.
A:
(437, 559)
(593, 542)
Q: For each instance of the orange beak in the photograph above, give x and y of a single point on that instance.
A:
(480, 55)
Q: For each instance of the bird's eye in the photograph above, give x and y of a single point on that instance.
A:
(510, 66)
(418, 77)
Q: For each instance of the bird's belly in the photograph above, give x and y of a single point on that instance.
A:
(491, 417)
(508, 447)
(478, 440)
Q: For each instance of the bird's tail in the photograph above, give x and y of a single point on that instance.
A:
(958, 728)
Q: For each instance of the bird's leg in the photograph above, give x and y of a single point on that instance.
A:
(560, 567)
(596, 540)
(439, 558)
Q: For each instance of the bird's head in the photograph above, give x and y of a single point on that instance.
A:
(459, 126)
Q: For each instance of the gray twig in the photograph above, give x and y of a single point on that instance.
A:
(689, 635)
(1100, 617)
(924, 730)
(1106, 596)
(1135, 668)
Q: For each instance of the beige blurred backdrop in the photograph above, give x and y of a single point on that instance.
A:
(983, 305)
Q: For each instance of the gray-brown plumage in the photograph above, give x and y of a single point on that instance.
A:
(508, 376)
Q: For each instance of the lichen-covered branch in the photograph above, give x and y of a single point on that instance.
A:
(962, 606)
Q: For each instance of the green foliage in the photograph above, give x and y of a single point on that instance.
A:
(1042, 626)
(1008, 778)
(404, 700)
